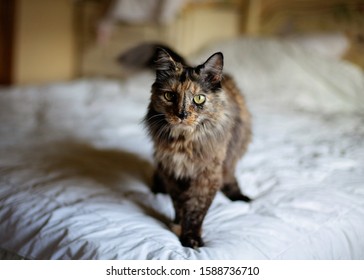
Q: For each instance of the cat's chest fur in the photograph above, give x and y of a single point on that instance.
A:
(186, 155)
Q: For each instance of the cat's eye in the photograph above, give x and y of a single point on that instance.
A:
(169, 96)
(199, 99)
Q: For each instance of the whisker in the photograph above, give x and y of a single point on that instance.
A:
(154, 116)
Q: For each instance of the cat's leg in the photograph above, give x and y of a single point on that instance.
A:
(236, 149)
(232, 191)
(191, 206)
(175, 226)
(231, 188)
(158, 185)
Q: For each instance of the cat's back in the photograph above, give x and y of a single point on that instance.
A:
(241, 130)
(236, 97)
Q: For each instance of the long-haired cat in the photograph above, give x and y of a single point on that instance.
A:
(200, 127)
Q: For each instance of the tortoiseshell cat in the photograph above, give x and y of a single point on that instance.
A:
(200, 126)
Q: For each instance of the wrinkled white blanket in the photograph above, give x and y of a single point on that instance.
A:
(75, 164)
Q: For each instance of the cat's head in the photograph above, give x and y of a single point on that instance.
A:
(187, 97)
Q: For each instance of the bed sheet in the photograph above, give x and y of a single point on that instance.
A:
(75, 165)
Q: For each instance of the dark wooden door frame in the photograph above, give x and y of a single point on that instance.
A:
(7, 29)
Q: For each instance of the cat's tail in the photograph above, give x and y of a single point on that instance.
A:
(144, 56)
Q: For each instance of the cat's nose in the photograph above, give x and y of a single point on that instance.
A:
(182, 115)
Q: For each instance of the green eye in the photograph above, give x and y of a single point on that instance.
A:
(199, 99)
(169, 96)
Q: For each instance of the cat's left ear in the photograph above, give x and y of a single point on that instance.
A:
(212, 68)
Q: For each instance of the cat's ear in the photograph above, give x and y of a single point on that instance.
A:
(164, 62)
(212, 68)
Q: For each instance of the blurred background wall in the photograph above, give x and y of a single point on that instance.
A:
(38, 40)
(46, 41)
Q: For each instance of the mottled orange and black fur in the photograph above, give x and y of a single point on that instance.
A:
(200, 126)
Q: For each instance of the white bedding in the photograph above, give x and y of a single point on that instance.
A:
(75, 164)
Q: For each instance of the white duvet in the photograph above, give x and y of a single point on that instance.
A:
(75, 164)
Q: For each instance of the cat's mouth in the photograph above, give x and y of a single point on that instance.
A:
(183, 122)
(182, 125)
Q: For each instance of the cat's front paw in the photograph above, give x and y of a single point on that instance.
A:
(191, 241)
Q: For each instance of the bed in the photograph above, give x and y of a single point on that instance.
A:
(76, 164)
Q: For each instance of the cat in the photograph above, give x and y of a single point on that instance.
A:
(200, 126)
